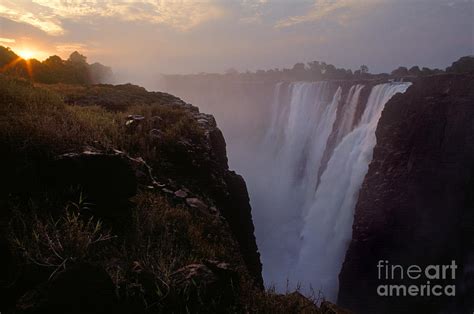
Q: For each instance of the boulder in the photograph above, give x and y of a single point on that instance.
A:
(181, 194)
(197, 204)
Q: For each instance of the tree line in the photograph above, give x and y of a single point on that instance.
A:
(74, 70)
(317, 71)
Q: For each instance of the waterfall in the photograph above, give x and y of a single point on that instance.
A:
(303, 226)
(349, 111)
(302, 118)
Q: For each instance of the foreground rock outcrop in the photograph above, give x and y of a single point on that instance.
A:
(416, 204)
(128, 208)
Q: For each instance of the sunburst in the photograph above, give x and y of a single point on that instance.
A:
(26, 54)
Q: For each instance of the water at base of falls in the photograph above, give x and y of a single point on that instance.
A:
(303, 206)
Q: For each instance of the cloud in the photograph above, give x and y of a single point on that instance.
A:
(323, 9)
(48, 15)
(7, 40)
(252, 11)
(32, 15)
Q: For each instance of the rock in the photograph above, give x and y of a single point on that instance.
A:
(181, 194)
(135, 117)
(160, 185)
(143, 171)
(105, 180)
(167, 191)
(235, 207)
(198, 204)
(133, 120)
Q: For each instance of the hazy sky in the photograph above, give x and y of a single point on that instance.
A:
(189, 36)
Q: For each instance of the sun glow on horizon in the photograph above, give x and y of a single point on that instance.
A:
(26, 54)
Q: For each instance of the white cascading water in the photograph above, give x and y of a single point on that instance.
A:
(303, 226)
(293, 147)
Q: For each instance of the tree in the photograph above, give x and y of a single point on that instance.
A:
(401, 71)
(315, 70)
(364, 69)
(415, 71)
(99, 73)
(231, 71)
(77, 58)
(53, 61)
(330, 71)
(299, 67)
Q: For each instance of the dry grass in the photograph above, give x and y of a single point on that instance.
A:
(31, 116)
(56, 242)
(172, 237)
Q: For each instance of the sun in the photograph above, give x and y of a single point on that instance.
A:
(26, 54)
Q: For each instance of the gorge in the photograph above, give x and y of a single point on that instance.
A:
(304, 149)
(304, 173)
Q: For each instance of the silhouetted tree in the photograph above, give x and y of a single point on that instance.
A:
(76, 57)
(415, 71)
(99, 73)
(401, 71)
(231, 71)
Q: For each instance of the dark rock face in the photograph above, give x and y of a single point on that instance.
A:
(237, 211)
(229, 192)
(83, 288)
(416, 205)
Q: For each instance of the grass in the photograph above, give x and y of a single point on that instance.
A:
(31, 116)
(54, 242)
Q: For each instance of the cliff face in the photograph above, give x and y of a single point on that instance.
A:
(127, 207)
(209, 173)
(416, 204)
